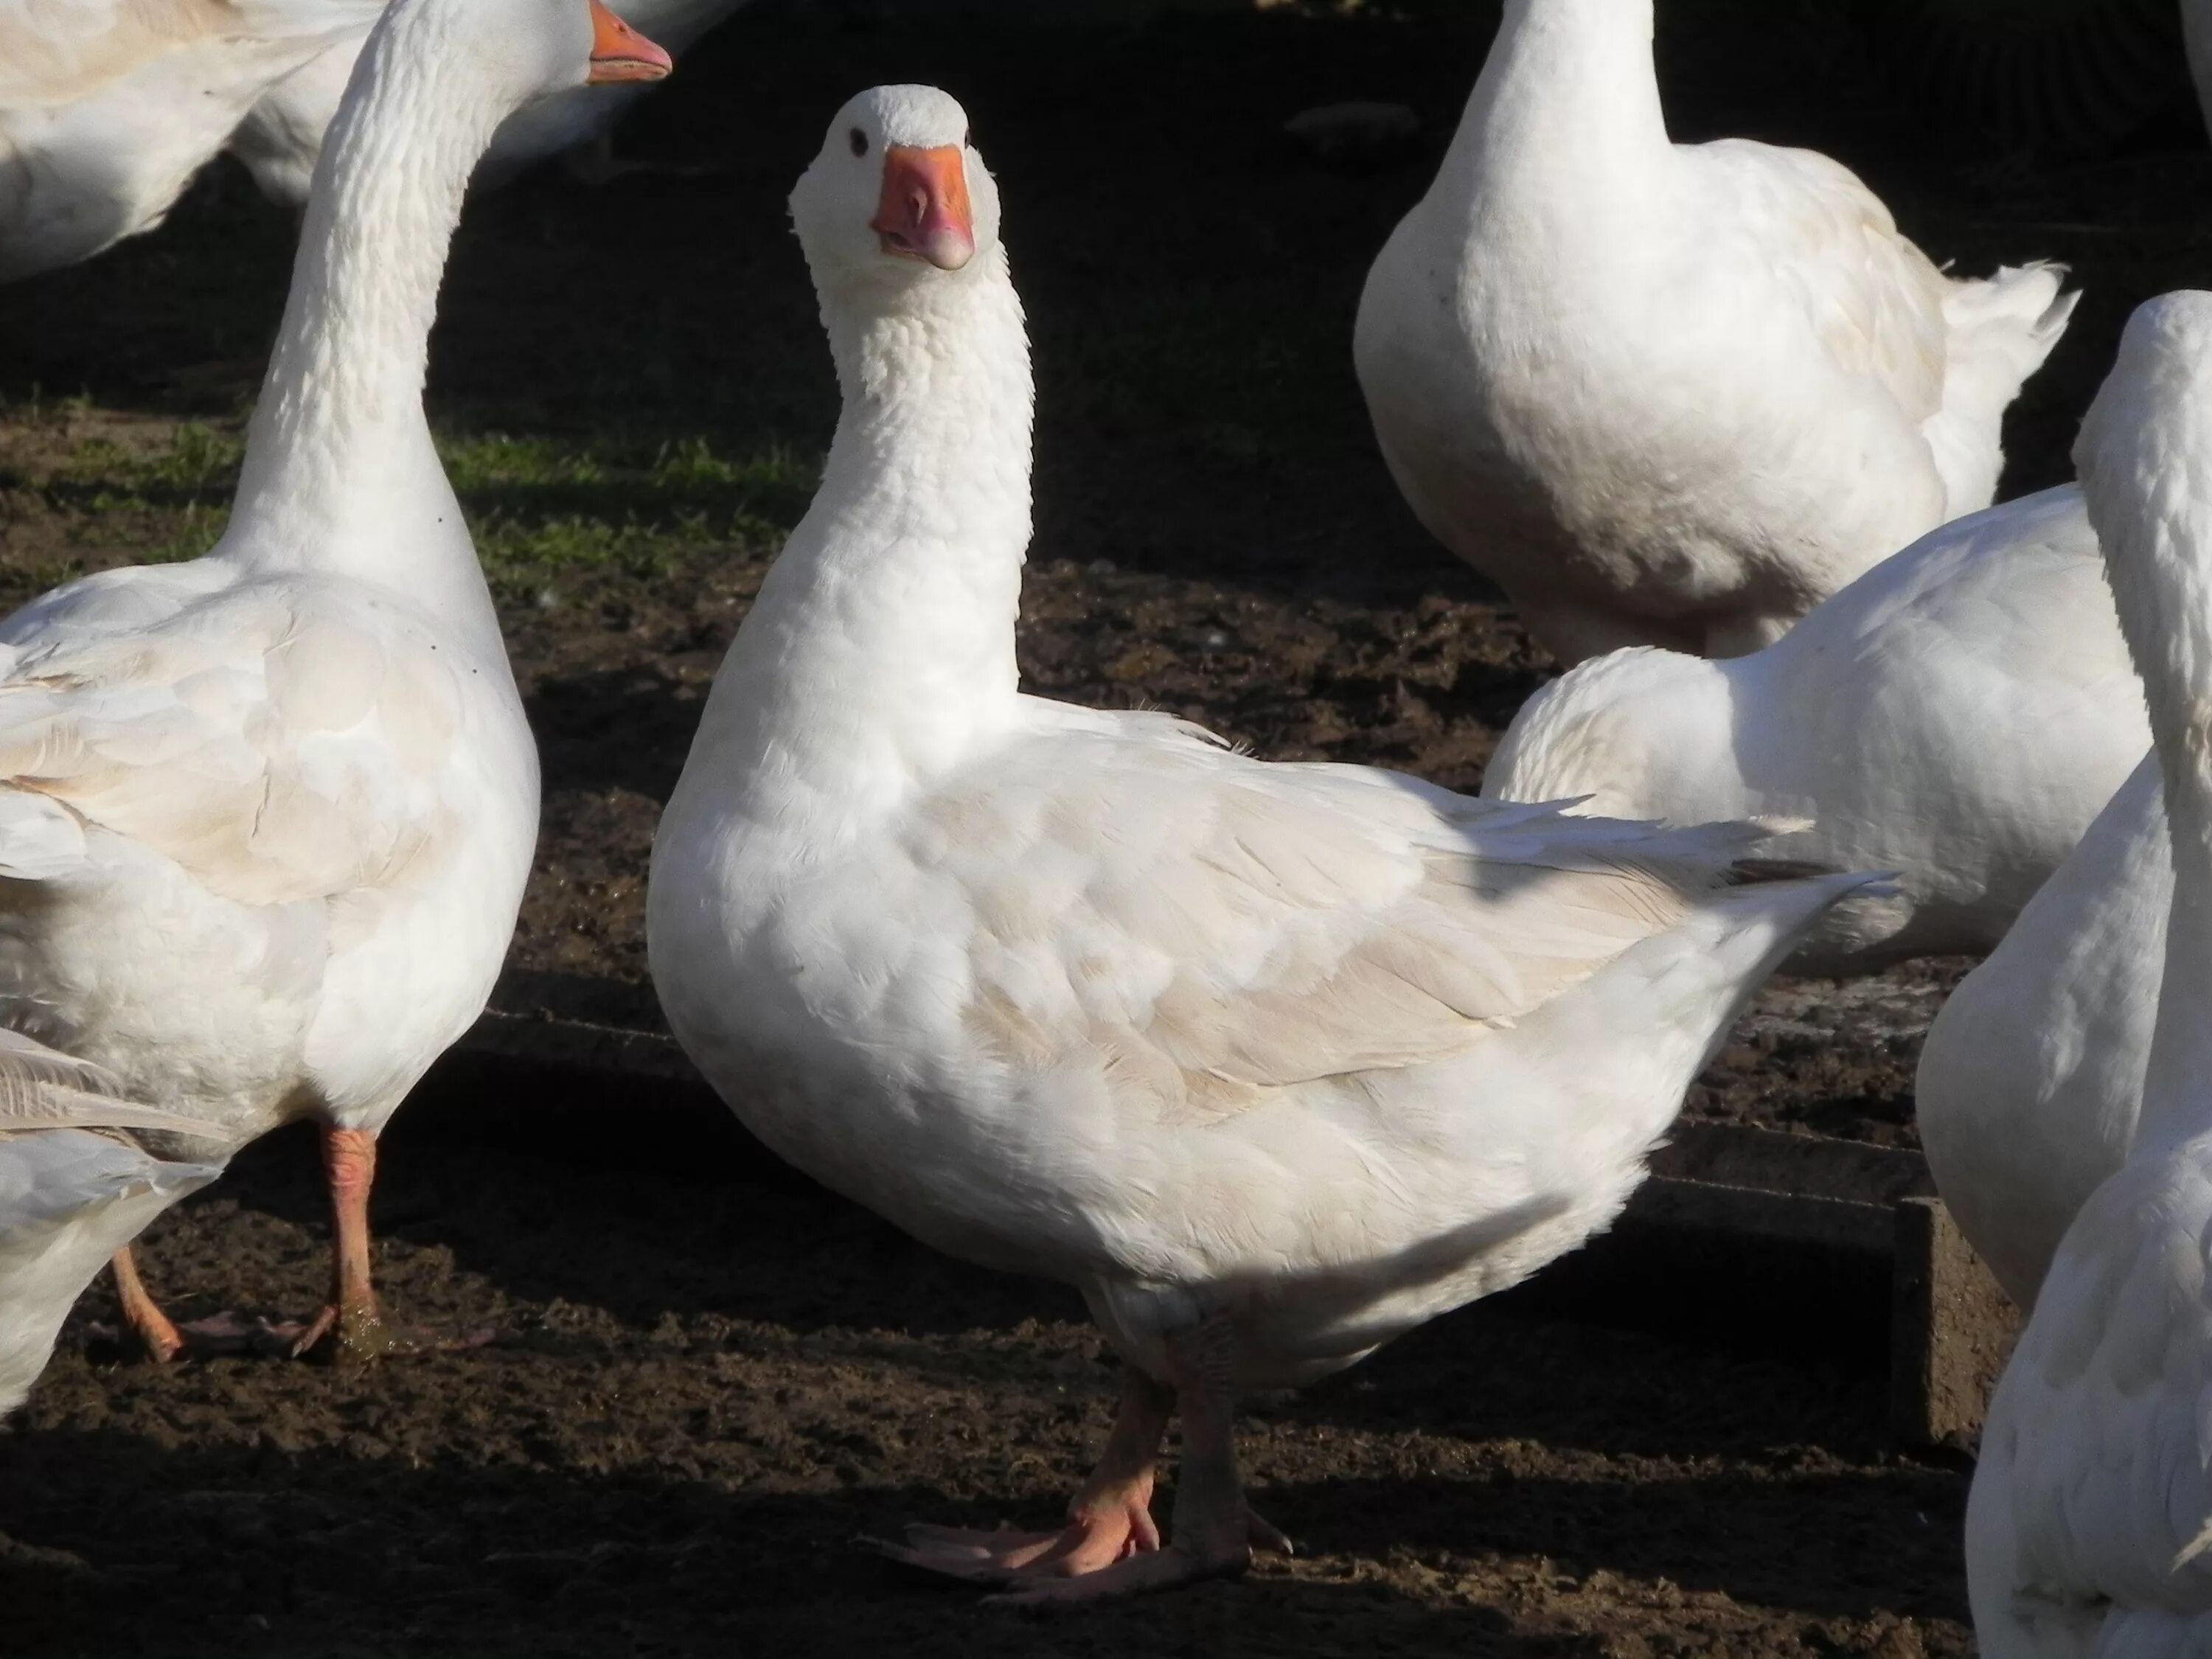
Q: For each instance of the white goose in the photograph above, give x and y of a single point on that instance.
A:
(1959, 716)
(282, 134)
(268, 814)
(1671, 394)
(75, 1185)
(2033, 1074)
(2091, 1514)
(1274, 1062)
(108, 107)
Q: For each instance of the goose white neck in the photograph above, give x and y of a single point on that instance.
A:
(340, 474)
(882, 645)
(1567, 96)
(2147, 464)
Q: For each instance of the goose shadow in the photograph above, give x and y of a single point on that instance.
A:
(684, 1219)
(118, 1542)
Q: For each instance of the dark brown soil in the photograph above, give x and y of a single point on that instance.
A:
(706, 1388)
(703, 1387)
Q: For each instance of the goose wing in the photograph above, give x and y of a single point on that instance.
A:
(276, 742)
(1876, 300)
(1216, 927)
(54, 53)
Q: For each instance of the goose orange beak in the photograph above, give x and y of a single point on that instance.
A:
(925, 213)
(619, 52)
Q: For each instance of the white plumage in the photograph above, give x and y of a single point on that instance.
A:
(1273, 1062)
(77, 1184)
(2088, 1527)
(1958, 716)
(108, 107)
(269, 813)
(1671, 394)
(2031, 1076)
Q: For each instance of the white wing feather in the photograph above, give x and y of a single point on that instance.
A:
(276, 744)
(1218, 928)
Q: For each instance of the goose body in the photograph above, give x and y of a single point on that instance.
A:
(1672, 394)
(1959, 715)
(266, 817)
(1273, 1062)
(108, 107)
(281, 135)
(2031, 1076)
(2092, 1503)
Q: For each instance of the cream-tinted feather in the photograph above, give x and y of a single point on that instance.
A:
(1218, 928)
(278, 743)
(108, 107)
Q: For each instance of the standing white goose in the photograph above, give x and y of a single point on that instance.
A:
(2032, 1077)
(1671, 394)
(1273, 1062)
(77, 1185)
(2091, 1514)
(108, 107)
(268, 814)
(282, 134)
(1959, 716)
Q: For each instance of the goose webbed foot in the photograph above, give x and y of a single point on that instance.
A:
(350, 1328)
(1110, 1547)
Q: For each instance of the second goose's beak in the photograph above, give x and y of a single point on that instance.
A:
(619, 52)
(924, 213)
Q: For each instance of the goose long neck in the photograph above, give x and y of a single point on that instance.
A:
(2146, 462)
(1567, 103)
(882, 644)
(338, 455)
(2176, 1101)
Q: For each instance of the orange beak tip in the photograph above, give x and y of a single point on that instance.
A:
(620, 53)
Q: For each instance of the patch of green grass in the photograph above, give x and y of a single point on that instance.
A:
(525, 561)
(487, 461)
(190, 533)
(197, 467)
(542, 509)
(496, 474)
(545, 513)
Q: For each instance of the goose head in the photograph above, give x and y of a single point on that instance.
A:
(898, 194)
(2144, 456)
(516, 52)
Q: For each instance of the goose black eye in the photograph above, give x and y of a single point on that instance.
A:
(860, 142)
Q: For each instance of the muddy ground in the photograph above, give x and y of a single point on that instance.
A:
(702, 1387)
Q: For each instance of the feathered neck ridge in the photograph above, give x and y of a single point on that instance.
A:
(2145, 461)
(338, 452)
(882, 644)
